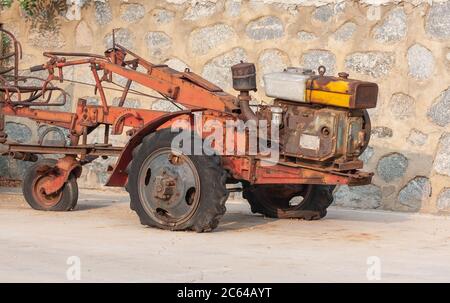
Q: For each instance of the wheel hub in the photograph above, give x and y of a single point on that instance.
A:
(165, 186)
(169, 186)
(46, 201)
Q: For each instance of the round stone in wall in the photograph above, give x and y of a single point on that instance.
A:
(345, 32)
(233, 8)
(102, 168)
(366, 196)
(21, 167)
(129, 102)
(218, 70)
(312, 59)
(393, 28)
(265, 28)
(158, 44)
(292, 9)
(98, 169)
(4, 166)
(382, 132)
(162, 16)
(122, 36)
(437, 23)
(402, 106)
(92, 100)
(46, 39)
(374, 64)
(392, 166)
(56, 136)
(270, 61)
(164, 105)
(416, 137)
(132, 12)
(176, 64)
(306, 36)
(367, 155)
(204, 39)
(199, 10)
(103, 12)
(18, 132)
(443, 200)
(414, 193)
(439, 112)
(442, 160)
(420, 62)
(323, 13)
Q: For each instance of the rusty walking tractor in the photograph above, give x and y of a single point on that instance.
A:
(321, 120)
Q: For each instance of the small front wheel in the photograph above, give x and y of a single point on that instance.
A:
(63, 200)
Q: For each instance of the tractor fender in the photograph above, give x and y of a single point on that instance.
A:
(119, 175)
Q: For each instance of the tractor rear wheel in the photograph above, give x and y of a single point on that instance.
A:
(308, 202)
(64, 199)
(175, 191)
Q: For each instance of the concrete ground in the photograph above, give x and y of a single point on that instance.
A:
(112, 246)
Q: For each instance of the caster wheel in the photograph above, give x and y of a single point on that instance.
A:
(64, 199)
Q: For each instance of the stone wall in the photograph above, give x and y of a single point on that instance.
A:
(402, 45)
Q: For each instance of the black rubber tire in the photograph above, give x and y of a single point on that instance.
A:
(313, 208)
(69, 196)
(213, 192)
(368, 129)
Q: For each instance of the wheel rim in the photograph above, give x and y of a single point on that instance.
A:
(44, 200)
(169, 187)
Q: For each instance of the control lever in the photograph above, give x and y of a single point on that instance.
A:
(37, 68)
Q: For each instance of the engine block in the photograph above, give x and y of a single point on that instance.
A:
(330, 136)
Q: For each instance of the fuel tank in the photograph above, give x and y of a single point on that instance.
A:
(300, 85)
(341, 91)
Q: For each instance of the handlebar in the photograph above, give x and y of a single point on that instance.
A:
(37, 68)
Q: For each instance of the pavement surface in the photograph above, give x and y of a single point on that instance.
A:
(103, 241)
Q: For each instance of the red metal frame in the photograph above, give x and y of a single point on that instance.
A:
(185, 88)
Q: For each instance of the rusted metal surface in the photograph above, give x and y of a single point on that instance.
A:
(168, 82)
(244, 81)
(324, 134)
(5, 56)
(252, 170)
(55, 177)
(12, 87)
(42, 195)
(244, 76)
(15, 53)
(196, 94)
(194, 78)
(341, 91)
(93, 149)
(7, 182)
(23, 156)
(3, 135)
(119, 175)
